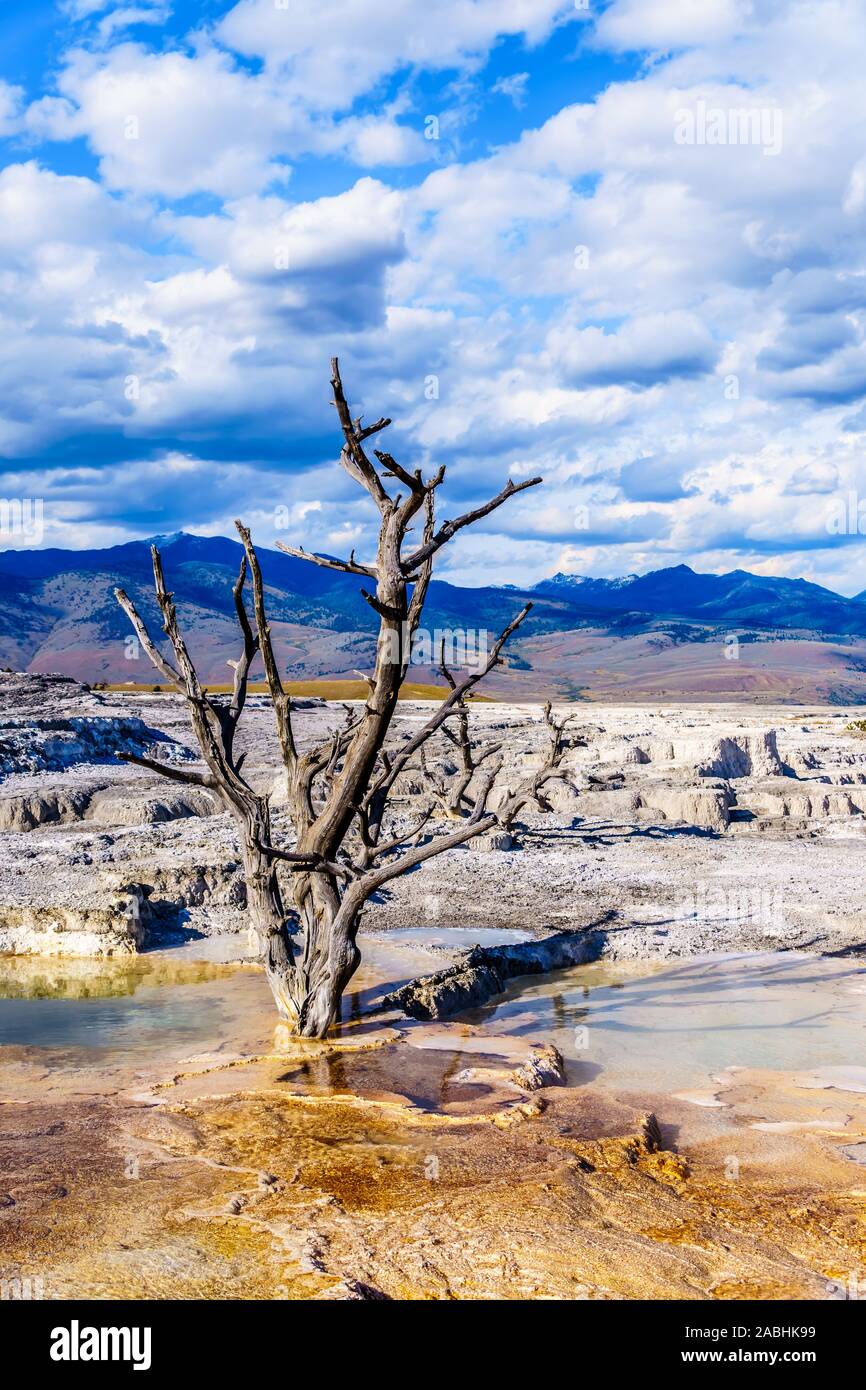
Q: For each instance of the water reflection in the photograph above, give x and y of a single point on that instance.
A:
(676, 1024)
(136, 1007)
(429, 1080)
(38, 977)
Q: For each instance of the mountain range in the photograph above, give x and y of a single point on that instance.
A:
(638, 636)
(735, 597)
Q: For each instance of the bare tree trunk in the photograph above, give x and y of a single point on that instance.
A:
(329, 958)
(308, 944)
(309, 952)
(267, 915)
(306, 970)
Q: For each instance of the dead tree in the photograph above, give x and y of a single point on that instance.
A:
(338, 792)
(451, 794)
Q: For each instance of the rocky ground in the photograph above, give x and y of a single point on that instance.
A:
(270, 1168)
(258, 1195)
(385, 1162)
(676, 830)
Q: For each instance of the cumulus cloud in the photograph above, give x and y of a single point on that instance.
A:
(654, 479)
(177, 122)
(813, 477)
(329, 66)
(669, 24)
(642, 352)
(174, 123)
(672, 333)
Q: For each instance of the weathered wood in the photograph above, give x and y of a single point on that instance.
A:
(341, 855)
(484, 972)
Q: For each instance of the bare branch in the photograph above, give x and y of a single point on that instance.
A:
(242, 666)
(213, 727)
(410, 836)
(362, 675)
(189, 776)
(383, 609)
(437, 786)
(152, 651)
(303, 863)
(353, 457)
(281, 701)
(422, 579)
(366, 432)
(530, 789)
(189, 676)
(399, 760)
(450, 528)
(467, 830)
(393, 469)
(452, 798)
(350, 566)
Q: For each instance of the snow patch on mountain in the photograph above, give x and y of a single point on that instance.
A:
(575, 581)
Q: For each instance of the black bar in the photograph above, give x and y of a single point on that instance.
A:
(650, 1338)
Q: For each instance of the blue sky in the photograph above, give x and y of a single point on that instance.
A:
(631, 259)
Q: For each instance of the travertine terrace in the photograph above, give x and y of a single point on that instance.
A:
(676, 830)
(407, 1159)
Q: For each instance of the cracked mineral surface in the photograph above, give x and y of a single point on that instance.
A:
(695, 1121)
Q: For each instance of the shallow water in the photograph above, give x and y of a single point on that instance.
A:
(203, 996)
(80, 1012)
(640, 1027)
(158, 1038)
(670, 1025)
(450, 938)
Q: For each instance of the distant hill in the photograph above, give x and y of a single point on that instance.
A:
(58, 613)
(735, 598)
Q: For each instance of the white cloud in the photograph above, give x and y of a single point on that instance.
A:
(670, 24)
(178, 122)
(38, 207)
(11, 98)
(175, 123)
(673, 334)
(170, 123)
(83, 9)
(643, 352)
(514, 87)
(329, 65)
(127, 15)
